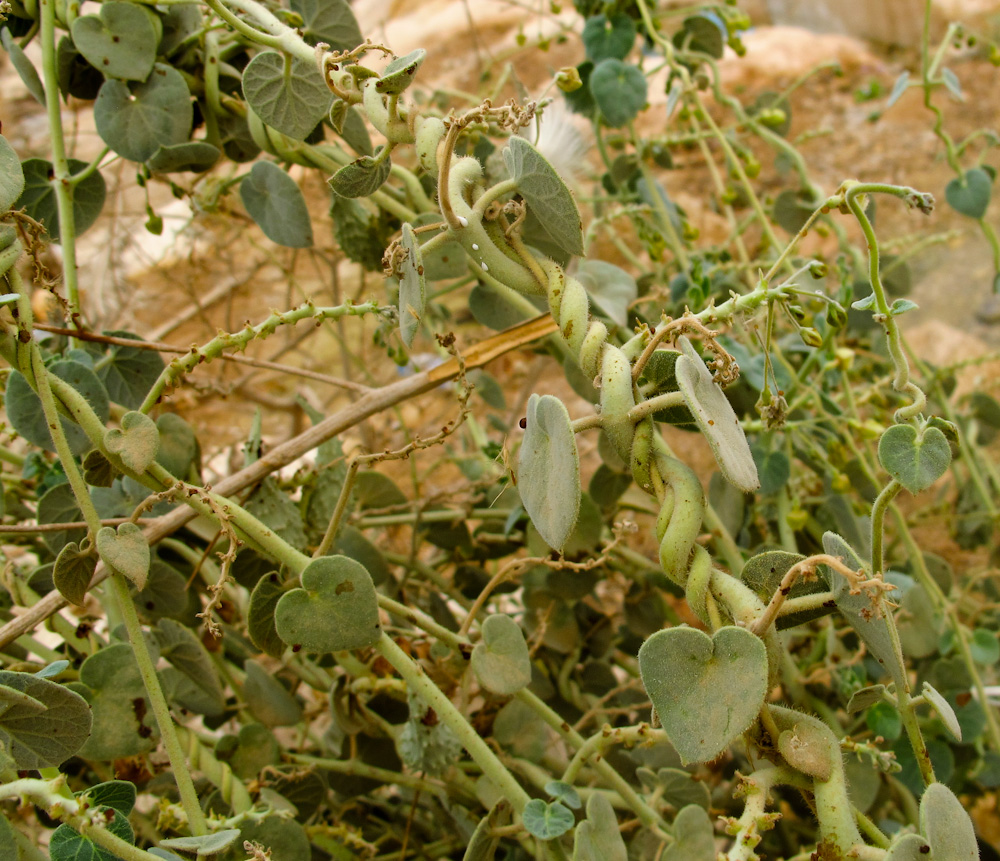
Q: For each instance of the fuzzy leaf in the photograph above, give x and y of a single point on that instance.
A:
(72, 572)
(547, 820)
(546, 194)
(205, 845)
(287, 93)
(915, 459)
(501, 661)
(42, 723)
(970, 193)
(548, 470)
(412, 288)
(269, 700)
(125, 551)
(330, 21)
(120, 41)
(706, 690)
(136, 442)
(136, 121)
(274, 200)
(362, 177)
(695, 840)
(399, 74)
(947, 826)
(597, 837)
(716, 419)
(336, 608)
(11, 175)
(608, 37)
(260, 616)
(619, 89)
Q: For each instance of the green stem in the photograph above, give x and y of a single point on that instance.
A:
(418, 682)
(889, 492)
(61, 183)
(161, 711)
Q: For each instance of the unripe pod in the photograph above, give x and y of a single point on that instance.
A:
(617, 398)
(430, 131)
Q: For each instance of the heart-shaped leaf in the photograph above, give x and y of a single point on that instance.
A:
(274, 200)
(947, 826)
(68, 844)
(399, 74)
(916, 459)
(72, 572)
(125, 551)
(43, 723)
(548, 470)
(24, 409)
(336, 608)
(547, 820)
(39, 197)
(716, 419)
(287, 93)
(608, 37)
(501, 661)
(970, 193)
(597, 837)
(412, 288)
(136, 442)
(362, 177)
(136, 121)
(330, 21)
(619, 89)
(706, 690)
(11, 175)
(119, 795)
(123, 719)
(694, 839)
(121, 42)
(547, 196)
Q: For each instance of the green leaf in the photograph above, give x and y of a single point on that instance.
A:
(701, 33)
(865, 613)
(72, 572)
(125, 551)
(597, 837)
(194, 156)
(943, 709)
(136, 121)
(59, 505)
(272, 507)
(901, 306)
(260, 615)
(908, 847)
(501, 661)
(619, 89)
(484, 842)
(363, 237)
(546, 195)
(791, 210)
(165, 593)
(716, 419)
(287, 93)
(547, 821)
(136, 442)
(184, 650)
(773, 468)
(970, 193)
(362, 177)
(548, 470)
(330, 21)
(706, 690)
(694, 839)
(898, 89)
(274, 200)
(11, 176)
(884, 719)
(205, 845)
(947, 826)
(677, 787)
(950, 80)
(609, 287)
(865, 304)
(39, 198)
(984, 647)
(179, 449)
(565, 793)
(25, 69)
(76, 76)
(763, 573)
(40, 737)
(286, 839)
(608, 37)
(336, 608)
(916, 459)
(117, 794)
(128, 373)
(400, 72)
(269, 700)
(412, 287)
(24, 409)
(67, 845)
(862, 699)
(121, 43)
(9, 848)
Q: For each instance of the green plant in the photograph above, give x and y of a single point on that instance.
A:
(495, 665)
